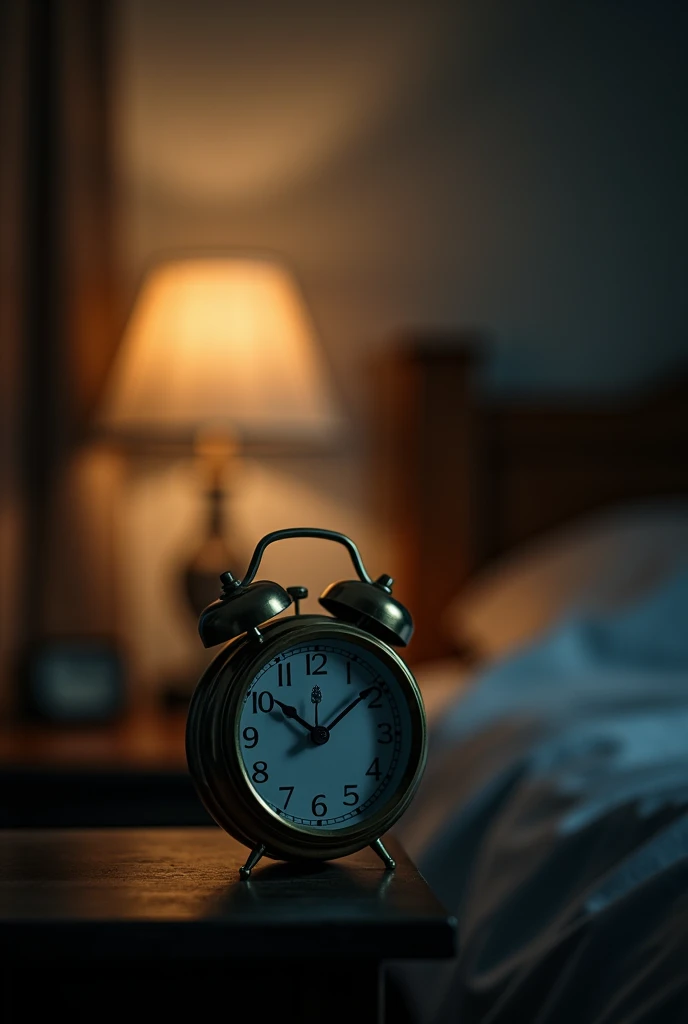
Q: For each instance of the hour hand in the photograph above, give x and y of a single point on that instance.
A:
(289, 711)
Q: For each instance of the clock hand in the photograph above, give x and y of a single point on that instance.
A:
(362, 696)
(316, 697)
(290, 712)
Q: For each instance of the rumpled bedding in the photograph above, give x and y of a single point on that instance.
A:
(552, 820)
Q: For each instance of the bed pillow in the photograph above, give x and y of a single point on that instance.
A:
(597, 563)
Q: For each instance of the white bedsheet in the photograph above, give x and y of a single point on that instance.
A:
(540, 751)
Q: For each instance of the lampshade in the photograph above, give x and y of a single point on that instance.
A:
(221, 342)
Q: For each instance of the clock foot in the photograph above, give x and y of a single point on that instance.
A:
(253, 858)
(386, 859)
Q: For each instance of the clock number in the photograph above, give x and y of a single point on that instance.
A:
(290, 790)
(319, 808)
(374, 769)
(375, 702)
(386, 732)
(318, 670)
(251, 736)
(263, 702)
(286, 674)
(260, 771)
(348, 672)
(349, 791)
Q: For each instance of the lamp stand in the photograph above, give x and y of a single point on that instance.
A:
(218, 458)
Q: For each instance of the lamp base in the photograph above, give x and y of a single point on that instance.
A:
(217, 457)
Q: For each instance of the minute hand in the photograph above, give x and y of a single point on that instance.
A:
(362, 696)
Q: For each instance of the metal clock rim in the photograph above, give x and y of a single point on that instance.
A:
(196, 725)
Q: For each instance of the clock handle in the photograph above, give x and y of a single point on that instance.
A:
(305, 531)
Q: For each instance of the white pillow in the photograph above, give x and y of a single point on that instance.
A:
(597, 563)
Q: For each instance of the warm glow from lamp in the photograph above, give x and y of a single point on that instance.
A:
(225, 343)
(220, 352)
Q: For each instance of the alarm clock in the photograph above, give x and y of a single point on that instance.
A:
(306, 736)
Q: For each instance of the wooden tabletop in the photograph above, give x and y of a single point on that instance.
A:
(137, 893)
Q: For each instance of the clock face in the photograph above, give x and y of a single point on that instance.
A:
(325, 734)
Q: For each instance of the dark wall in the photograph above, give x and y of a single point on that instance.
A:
(517, 166)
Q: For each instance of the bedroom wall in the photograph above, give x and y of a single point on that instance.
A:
(517, 167)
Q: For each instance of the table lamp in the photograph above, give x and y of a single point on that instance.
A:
(220, 355)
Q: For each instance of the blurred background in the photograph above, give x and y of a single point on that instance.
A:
(365, 171)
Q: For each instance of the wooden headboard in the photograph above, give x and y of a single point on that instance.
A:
(464, 478)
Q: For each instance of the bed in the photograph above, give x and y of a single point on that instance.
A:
(543, 549)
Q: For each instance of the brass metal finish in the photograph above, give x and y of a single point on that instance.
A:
(214, 753)
(384, 856)
(297, 594)
(371, 607)
(253, 858)
(305, 531)
(241, 609)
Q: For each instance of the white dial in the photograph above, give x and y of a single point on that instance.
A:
(325, 734)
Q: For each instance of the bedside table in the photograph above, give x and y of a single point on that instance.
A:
(127, 773)
(155, 924)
